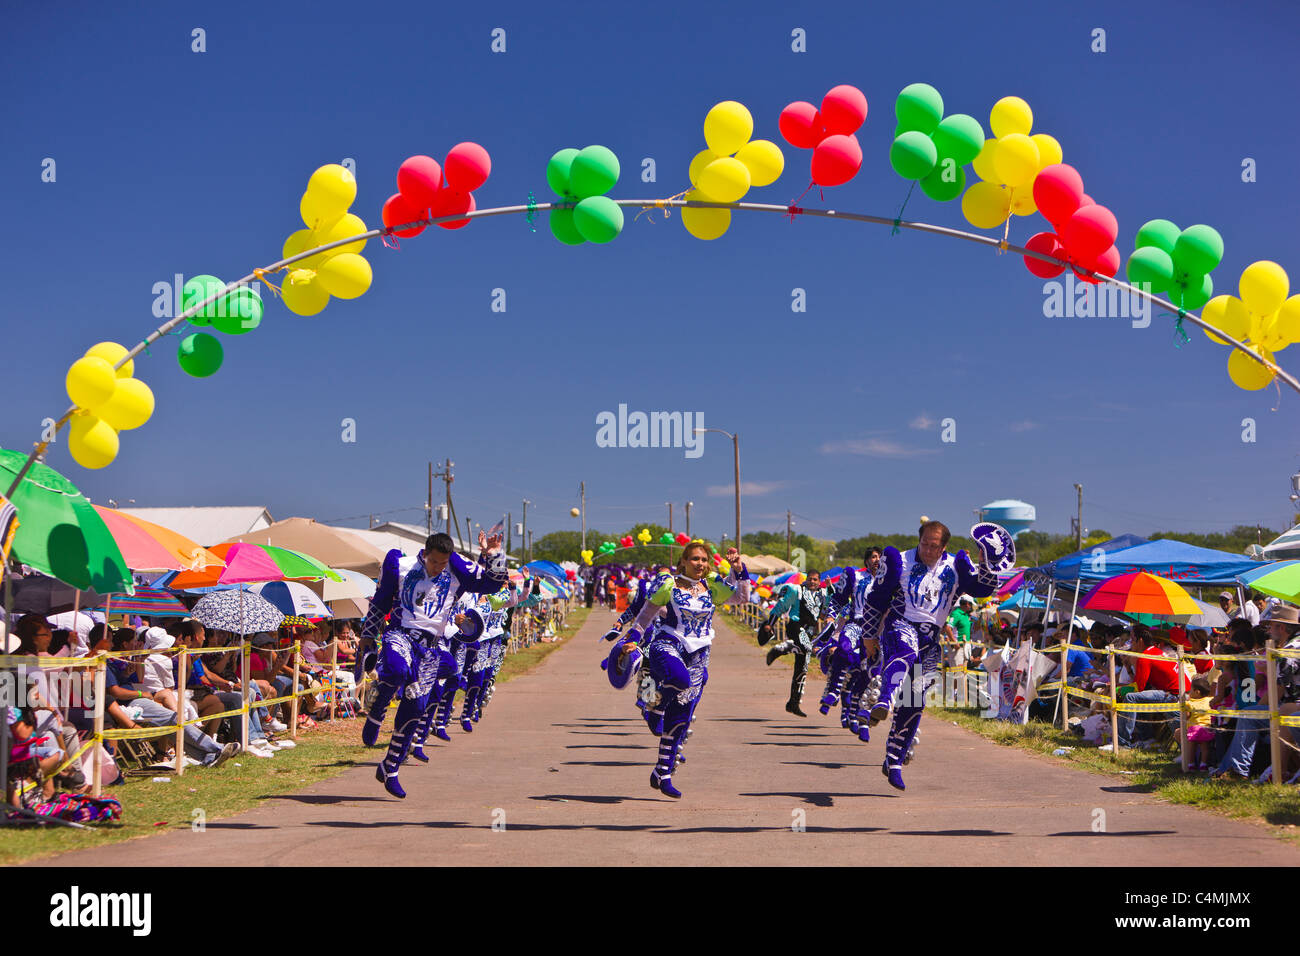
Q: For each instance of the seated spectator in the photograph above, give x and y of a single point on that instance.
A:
(1248, 693)
(158, 676)
(1156, 680)
(31, 750)
(1200, 735)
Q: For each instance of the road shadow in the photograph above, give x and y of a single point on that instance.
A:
(601, 798)
(322, 798)
(1116, 833)
(818, 799)
(458, 825)
(611, 733)
(785, 829)
(608, 746)
(1132, 788)
(237, 826)
(952, 833)
(604, 763)
(827, 764)
(788, 743)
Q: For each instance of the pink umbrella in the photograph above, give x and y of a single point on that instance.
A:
(1012, 584)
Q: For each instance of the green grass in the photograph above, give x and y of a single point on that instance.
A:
(1147, 771)
(244, 782)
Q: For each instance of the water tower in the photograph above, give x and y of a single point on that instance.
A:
(1015, 516)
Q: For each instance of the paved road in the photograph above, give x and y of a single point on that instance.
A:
(564, 761)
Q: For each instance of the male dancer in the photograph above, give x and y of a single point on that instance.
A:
(421, 592)
(908, 607)
(847, 674)
(804, 603)
(480, 661)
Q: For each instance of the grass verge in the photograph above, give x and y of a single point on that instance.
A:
(244, 782)
(1146, 771)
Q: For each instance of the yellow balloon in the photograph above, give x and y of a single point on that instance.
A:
(346, 276)
(705, 223)
(1016, 159)
(92, 441)
(724, 180)
(1010, 115)
(1264, 286)
(1049, 150)
(702, 159)
(130, 407)
(1246, 373)
(112, 353)
(302, 294)
(91, 382)
(1255, 326)
(301, 241)
(1022, 201)
(727, 127)
(1288, 320)
(764, 160)
(331, 190)
(1271, 337)
(1227, 314)
(350, 225)
(983, 162)
(986, 205)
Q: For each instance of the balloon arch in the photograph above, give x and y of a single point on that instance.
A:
(1016, 174)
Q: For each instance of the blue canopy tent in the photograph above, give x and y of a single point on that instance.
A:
(549, 569)
(1175, 560)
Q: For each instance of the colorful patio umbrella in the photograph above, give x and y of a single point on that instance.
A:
(151, 547)
(1140, 593)
(1281, 579)
(1012, 584)
(292, 598)
(60, 533)
(248, 564)
(154, 602)
(238, 612)
(789, 577)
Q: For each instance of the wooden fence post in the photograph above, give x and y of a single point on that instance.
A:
(293, 704)
(182, 678)
(99, 722)
(1274, 718)
(1114, 717)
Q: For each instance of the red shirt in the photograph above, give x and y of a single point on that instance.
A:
(1154, 671)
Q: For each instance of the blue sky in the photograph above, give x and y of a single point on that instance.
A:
(170, 161)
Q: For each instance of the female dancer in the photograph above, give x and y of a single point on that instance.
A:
(679, 652)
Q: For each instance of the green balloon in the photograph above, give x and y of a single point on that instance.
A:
(1160, 233)
(960, 137)
(557, 171)
(919, 107)
(196, 290)
(200, 354)
(946, 182)
(598, 218)
(666, 538)
(1197, 291)
(239, 312)
(563, 228)
(594, 172)
(913, 155)
(1153, 265)
(1198, 249)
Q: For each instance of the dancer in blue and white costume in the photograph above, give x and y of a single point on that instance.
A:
(624, 662)
(481, 659)
(848, 671)
(907, 608)
(679, 652)
(415, 656)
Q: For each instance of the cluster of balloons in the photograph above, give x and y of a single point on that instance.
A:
(1176, 261)
(107, 400)
(1262, 317)
(587, 555)
(1008, 166)
(341, 271)
(643, 535)
(1085, 232)
(582, 177)
(625, 541)
(830, 132)
(426, 190)
(606, 547)
(235, 313)
(666, 538)
(728, 167)
(931, 148)
(682, 538)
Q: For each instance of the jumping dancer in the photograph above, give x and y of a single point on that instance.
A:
(847, 674)
(679, 652)
(907, 607)
(421, 592)
(804, 604)
(481, 658)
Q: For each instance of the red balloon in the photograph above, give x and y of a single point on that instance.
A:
(1107, 264)
(418, 179)
(1087, 201)
(844, 110)
(801, 125)
(626, 541)
(683, 538)
(836, 160)
(450, 202)
(1058, 191)
(1090, 232)
(398, 210)
(467, 167)
(1049, 244)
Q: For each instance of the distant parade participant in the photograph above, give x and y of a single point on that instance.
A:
(804, 604)
(682, 607)
(908, 607)
(481, 660)
(421, 593)
(847, 674)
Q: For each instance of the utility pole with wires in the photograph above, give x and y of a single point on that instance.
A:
(670, 516)
(509, 527)
(447, 511)
(1078, 524)
(428, 505)
(788, 526)
(688, 517)
(582, 492)
(526, 539)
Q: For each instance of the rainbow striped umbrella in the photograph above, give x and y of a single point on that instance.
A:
(251, 563)
(151, 547)
(1140, 593)
(154, 602)
(789, 577)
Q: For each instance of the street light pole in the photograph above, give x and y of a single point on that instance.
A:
(735, 446)
(688, 517)
(1078, 529)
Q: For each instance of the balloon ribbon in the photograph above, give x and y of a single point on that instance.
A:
(1181, 337)
(531, 217)
(899, 218)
